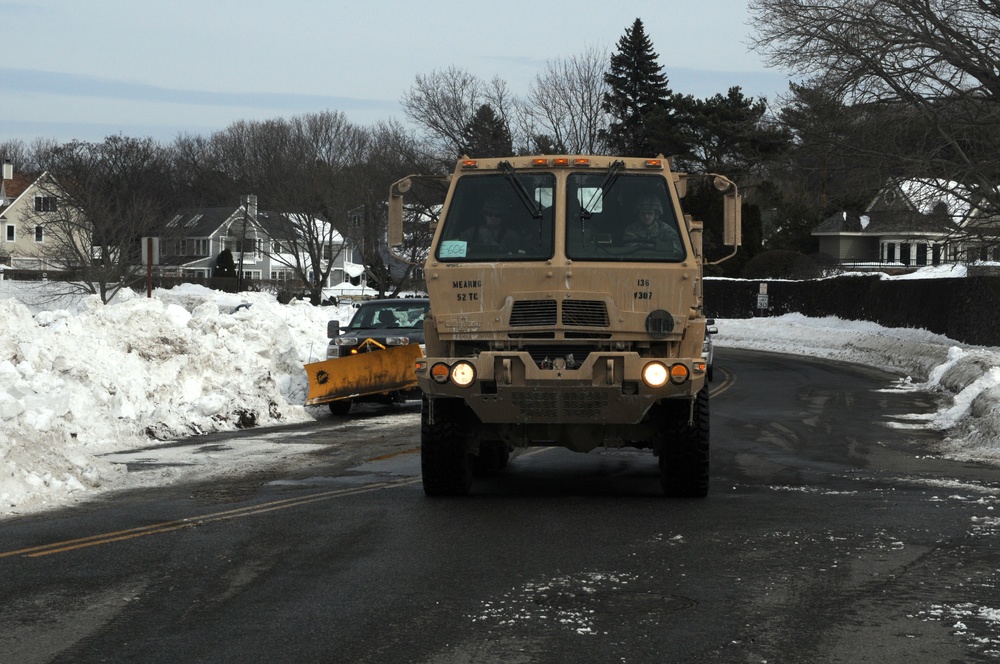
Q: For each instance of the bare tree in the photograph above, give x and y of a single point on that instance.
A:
(391, 152)
(922, 80)
(102, 198)
(444, 102)
(564, 104)
(317, 187)
(298, 168)
(26, 156)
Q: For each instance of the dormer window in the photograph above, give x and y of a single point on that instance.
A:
(45, 203)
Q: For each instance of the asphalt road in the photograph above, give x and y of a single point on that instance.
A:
(832, 533)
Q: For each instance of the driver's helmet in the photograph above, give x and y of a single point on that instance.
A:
(650, 203)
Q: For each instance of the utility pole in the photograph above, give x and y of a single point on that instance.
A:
(248, 201)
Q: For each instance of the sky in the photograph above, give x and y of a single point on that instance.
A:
(86, 70)
(87, 388)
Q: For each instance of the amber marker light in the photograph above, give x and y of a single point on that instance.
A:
(654, 163)
(679, 374)
(654, 374)
(439, 373)
(581, 162)
(560, 161)
(539, 162)
(470, 163)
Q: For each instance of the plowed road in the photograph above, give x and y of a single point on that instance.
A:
(832, 533)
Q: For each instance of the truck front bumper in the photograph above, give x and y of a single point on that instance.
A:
(606, 388)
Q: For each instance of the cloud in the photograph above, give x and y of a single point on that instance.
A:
(76, 85)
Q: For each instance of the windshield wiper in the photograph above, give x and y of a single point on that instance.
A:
(614, 170)
(534, 208)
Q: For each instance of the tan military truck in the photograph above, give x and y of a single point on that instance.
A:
(566, 309)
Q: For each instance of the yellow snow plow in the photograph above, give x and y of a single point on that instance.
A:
(374, 369)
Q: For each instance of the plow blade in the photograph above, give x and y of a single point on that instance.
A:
(358, 375)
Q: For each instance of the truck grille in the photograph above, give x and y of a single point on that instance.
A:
(585, 313)
(533, 313)
(575, 313)
(585, 406)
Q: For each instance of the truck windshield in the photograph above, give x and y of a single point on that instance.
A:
(631, 220)
(489, 219)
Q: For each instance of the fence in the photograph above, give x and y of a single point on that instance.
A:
(965, 309)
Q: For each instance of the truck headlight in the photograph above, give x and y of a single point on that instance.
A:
(346, 341)
(397, 341)
(463, 374)
(655, 374)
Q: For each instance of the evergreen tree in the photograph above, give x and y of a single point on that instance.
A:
(637, 88)
(728, 134)
(487, 135)
(225, 266)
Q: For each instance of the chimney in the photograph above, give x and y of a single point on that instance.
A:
(250, 200)
(8, 174)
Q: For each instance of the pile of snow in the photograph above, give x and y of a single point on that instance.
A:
(83, 383)
(80, 383)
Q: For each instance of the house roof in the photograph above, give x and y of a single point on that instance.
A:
(913, 207)
(926, 196)
(12, 189)
(201, 222)
(882, 222)
(206, 221)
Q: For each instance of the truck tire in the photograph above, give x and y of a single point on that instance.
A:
(445, 462)
(684, 457)
(341, 407)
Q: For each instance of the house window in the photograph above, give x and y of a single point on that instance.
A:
(39, 234)
(9, 234)
(45, 203)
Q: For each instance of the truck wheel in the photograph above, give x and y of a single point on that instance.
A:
(445, 462)
(684, 456)
(340, 408)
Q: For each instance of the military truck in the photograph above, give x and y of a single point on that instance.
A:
(566, 309)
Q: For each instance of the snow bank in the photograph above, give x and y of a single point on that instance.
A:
(75, 384)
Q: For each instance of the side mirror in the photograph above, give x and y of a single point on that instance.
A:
(333, 329)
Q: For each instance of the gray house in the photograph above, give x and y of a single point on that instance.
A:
(264, 241)
(910, 223)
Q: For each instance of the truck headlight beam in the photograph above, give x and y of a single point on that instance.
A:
(463, 374)
(655, 374)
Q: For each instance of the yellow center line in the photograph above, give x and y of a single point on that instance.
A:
(169, 526)
(728, 380)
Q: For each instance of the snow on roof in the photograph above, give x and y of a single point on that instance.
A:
(926, 195)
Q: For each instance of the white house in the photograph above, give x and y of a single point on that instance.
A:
(264, 241)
